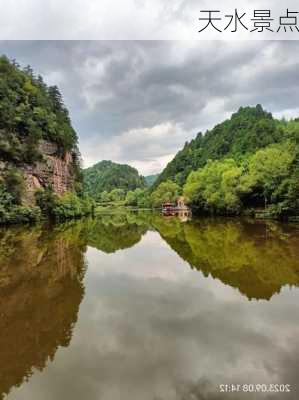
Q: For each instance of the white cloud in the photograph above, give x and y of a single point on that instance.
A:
(287, 113)
(147, 149)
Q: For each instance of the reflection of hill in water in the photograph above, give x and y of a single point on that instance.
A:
(257, 258)
(41, 272)
(40, 293)
(110, 233)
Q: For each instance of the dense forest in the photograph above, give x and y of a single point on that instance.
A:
(108, 181)
(248, 130)
(151, 179)
(249, 162)
(30, 113)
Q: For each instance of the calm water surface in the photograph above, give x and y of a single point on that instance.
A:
(137, 306)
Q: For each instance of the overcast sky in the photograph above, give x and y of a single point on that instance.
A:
(133, 19)
(137, 102)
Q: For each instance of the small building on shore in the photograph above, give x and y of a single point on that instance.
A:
(168, 206)
(181, 203)
(179, 208)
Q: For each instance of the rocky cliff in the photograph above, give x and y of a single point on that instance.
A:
(38, 145)
(52, 170)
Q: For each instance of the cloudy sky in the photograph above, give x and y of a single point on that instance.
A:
(130, 19)
(137, 102)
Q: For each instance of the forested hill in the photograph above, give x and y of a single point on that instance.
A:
(151, 179)
(248, 130)
(30, 111)
(107, 176)
(40, 169)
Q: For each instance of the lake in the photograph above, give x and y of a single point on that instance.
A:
(139, 306)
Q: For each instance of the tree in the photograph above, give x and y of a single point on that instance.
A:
(14, 183)
(267, 171)
(117, 195)
(30, 111)
(56, 99)
(215, 187)
(131, 198)
(166, 192)
(46, 200)
(105, 197)
(138, 197)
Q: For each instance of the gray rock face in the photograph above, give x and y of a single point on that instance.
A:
(52, 171)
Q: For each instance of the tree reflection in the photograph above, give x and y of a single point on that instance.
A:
(42, 270)
(41, 288)
(257, 258)
(110, 233)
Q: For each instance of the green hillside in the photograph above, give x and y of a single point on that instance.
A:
(107, 176)
(151, 179)
(30, 111)
(249, 129)
(36, 136)
(248, 163)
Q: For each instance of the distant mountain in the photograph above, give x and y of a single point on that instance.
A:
(248, 130)
(151, 179)
(107, 175)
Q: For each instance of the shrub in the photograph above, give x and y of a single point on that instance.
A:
(19, 215)
(71, 206)
(14, 184)
(165, 192)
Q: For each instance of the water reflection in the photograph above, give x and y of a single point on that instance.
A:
(40, 292)
(146, 325)
(258, 258)
(113, 232)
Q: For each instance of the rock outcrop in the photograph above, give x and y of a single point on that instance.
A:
(52, 170)
(37, 140)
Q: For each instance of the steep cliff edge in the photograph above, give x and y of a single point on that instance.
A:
(51, 171)
(39, 157)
